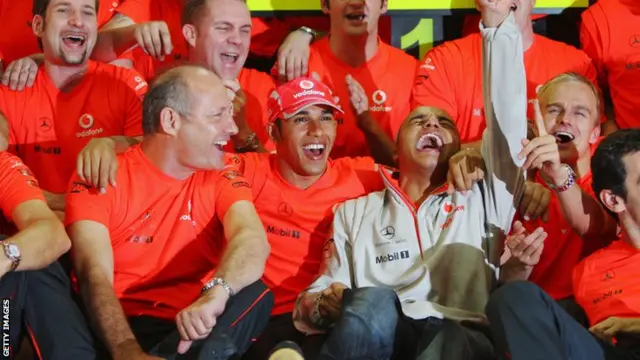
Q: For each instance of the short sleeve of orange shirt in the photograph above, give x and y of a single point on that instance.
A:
(17, 184)
(135, 88)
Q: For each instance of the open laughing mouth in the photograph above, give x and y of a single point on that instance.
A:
(220, 144)
(74, 40)
(229, 57)
(314, 151)
(430, 141)
(563, 137)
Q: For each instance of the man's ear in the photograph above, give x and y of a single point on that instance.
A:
(274, 132)
(595, 135)
(170, 121)
(37, 25)
(190, 34)
(385, 6)
(325, 6)
(612, 201)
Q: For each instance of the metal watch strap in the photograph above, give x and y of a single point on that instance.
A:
(218, 281)
(316, 317)
(571, 179)
(15, 261)
(309, 31)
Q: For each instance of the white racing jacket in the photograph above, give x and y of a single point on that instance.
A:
(441, 258)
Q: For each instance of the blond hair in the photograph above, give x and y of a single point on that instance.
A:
(575, 77)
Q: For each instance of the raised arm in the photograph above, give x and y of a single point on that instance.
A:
(505, 101)
(317, 308)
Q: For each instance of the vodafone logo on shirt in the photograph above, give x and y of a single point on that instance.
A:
(379, 98)
(86, 123)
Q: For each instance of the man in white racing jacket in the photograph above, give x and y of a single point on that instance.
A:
(409, 269)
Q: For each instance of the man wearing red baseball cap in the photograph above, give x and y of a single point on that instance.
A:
(295, 191)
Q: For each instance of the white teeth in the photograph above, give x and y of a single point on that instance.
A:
(221, 143)
(564, 134)
(313, 147)
(424, 140)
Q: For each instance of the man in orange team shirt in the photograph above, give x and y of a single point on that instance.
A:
(363, 70)
(75, 103)
(35, 290)
(295, 191)
(527, 323)
(449, 77)
(609, 35)
(17, 39)
(571, 112)
(174, 253)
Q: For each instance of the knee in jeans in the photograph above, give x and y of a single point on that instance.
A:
(513, 294)
(374, 308)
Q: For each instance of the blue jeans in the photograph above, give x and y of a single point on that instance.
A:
(372, 326)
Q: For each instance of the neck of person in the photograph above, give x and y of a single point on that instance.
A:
(631, 231)
(289, 174)
(63, 76)
(160, 152)
(354, 50)
(527, 35)
(418, 185)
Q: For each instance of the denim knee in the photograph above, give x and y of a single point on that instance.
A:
(374, 309)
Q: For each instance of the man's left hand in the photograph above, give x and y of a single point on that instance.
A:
(523, 248)
(608, 329)
(97, 163)
(197, 321)
(465, 169)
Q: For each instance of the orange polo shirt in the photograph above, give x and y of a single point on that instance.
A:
(450, 77)
(610, 36)
(606, 283)
(386, 79)
(17, 39)
(17, 185)
(49, 127)
(563, 248)
(298, 221)
(166, 234)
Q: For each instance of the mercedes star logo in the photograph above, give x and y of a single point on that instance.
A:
(285, 210)
(634, 41)
(388, 232)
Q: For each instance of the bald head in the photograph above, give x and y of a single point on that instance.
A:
(175, 89)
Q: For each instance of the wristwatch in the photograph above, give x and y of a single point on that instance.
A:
(12, 252)
(309, 31)
(218, 281)
(567, 183)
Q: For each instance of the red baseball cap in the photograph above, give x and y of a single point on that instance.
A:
(292, 97)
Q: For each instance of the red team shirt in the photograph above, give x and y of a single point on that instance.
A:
(386, 79)
(17, 39)
(606, 283)
(17, 185)
(298, 221)
(49, 128)
(610, 36)
(563, 248)
(157, 229)
(450, 77)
